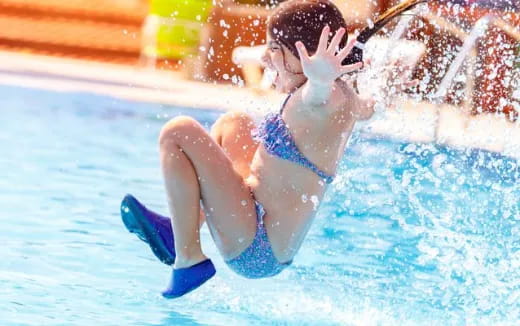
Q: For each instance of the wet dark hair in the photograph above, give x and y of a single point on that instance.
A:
(304, 20)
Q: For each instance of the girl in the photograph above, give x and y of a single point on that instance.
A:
(259, 187)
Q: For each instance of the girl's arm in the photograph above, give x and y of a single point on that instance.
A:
(315, 93)
(324, 67)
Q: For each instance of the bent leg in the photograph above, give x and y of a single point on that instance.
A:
(195, 167)
(183, 200)
(232, 132)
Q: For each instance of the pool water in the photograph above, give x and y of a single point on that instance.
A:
(408, 234)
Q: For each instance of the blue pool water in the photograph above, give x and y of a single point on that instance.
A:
(409, 234)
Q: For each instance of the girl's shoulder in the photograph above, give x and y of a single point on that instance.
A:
(343, 96)
(345, 106)
(346, 88)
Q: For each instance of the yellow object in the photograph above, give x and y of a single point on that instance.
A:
(172, 27)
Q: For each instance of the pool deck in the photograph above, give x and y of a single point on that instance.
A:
(409, 120)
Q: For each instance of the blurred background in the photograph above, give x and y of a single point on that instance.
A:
(197, 38)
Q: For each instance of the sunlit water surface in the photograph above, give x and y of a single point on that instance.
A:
(409, 234)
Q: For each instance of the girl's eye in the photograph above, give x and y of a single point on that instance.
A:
(273, 47)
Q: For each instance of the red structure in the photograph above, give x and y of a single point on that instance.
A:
(87, 29)
(496, 53)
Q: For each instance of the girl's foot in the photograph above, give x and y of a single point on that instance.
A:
(152, 228)
(184, 280)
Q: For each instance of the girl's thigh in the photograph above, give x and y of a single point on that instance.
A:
(227, 200)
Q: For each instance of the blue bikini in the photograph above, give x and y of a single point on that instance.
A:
(258, 260)
(278, 141)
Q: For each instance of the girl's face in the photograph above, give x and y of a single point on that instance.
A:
(289, 73)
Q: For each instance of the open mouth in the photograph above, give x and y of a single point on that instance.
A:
(270, 76)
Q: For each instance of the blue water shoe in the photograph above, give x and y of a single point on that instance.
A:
(152, 228)
(184, 280)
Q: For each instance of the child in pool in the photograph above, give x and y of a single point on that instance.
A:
(252, 182)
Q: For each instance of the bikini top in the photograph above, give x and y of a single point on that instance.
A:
(278, 141)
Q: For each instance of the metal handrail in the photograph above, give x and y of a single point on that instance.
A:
(478, 30)
(469, 41)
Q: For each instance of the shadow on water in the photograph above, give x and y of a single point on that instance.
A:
(176, 319)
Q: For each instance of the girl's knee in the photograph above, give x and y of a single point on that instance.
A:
(234, 117)
(178, 130)
(231, 121)
(241, 118)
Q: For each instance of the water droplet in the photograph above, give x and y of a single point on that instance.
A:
(315, 202)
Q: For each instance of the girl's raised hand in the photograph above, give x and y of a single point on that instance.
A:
(325, 65)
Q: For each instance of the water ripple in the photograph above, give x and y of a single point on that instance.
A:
(409, 234)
